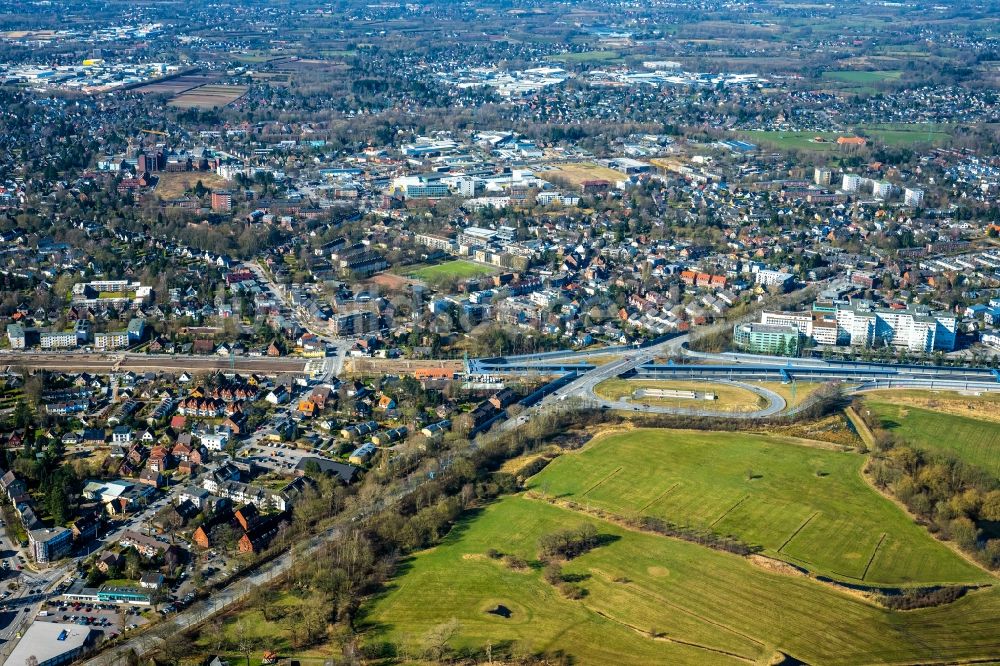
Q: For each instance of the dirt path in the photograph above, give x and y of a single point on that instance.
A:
(864, 432)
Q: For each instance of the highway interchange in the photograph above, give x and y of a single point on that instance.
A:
(574, 387)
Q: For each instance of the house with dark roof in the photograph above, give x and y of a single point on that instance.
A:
(344, 472)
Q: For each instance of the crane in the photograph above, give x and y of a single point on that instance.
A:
(152, 131)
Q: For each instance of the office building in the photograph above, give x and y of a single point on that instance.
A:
(50, 543)
(767, 339)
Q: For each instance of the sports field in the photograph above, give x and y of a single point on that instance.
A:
(975, 441)
(452, 269)
(653, 600)
(803, 504)
(729, 398)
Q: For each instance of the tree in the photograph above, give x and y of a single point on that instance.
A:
(964, 532)
(990, 509)
(436, 640)
(245, 643)
(133, 563)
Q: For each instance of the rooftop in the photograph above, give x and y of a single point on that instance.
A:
(46, 641)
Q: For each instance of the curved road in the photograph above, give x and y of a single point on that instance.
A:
(775, 404)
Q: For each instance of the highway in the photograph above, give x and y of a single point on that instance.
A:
(733, 368)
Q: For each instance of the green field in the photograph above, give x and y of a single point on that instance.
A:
(452, 269)
(974, 441)
(806, 505)
(889, 135)
(653, 600)
(585, 56)
(863, 77)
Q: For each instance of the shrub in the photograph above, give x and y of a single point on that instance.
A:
(552, 573)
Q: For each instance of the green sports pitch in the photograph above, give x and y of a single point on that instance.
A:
(458, 268)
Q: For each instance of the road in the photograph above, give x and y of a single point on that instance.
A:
(775, 404)
(147, 642)
(23, 602)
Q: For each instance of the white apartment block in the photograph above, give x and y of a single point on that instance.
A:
(851, 182)
(913, 196)
(768, 278)
(115, 340)
(863, 325)
(436, 242)
(882, 189)
(57, 339)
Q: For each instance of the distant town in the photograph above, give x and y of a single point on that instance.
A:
(455, 332)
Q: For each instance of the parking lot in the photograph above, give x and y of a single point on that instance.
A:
(109, 618)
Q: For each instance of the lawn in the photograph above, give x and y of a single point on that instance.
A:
(863, 77)
(794, 393)
(459, 269)
(975, 441)
(803, 504)
(653, 600)
(729, 398)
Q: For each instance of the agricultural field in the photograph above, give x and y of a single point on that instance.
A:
(794, 140)
(729, 398)
(208, 97)
(457, 269)
(586, 56)
(909, 135)
(651, 599)
(806, 504)
(572, 175)
(889, 135)
(172, 185)
(176, 84)
(974, 440)
(863, 77)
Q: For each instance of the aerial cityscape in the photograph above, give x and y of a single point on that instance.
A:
(500, 332)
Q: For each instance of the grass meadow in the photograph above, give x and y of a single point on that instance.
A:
(807, 505)
(652, 600)
(974, 441)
